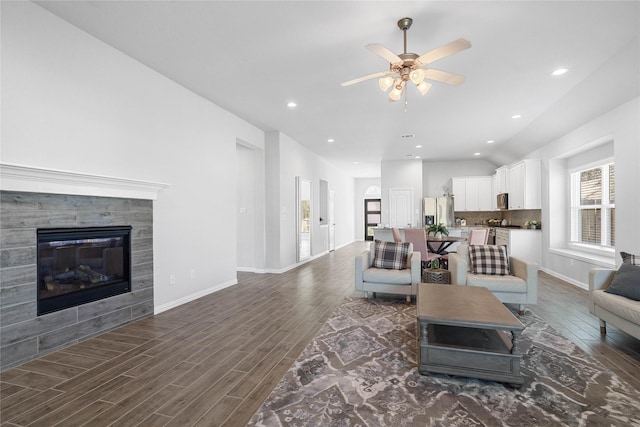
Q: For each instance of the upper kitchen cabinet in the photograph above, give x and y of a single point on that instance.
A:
(500, 179)
(524, 185)
(472, 193)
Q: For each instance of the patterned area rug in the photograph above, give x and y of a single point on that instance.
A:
(361, 370)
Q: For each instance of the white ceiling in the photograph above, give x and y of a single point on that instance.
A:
(251, 58)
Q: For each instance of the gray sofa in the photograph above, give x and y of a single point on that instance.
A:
(403, 282)
(521, 287)
(621, 312)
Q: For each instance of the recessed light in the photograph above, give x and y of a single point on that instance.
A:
(355, 163)
(417, 157)
(331, 140)
(476, 154)
(491, 141)
(418, 146)
(291, 104)
(516, 116)
(559, 71)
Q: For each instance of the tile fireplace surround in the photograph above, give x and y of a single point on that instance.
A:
(23, 334)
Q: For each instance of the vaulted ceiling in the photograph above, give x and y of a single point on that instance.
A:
(252, 58)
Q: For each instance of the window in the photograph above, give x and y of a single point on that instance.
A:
(593, 208)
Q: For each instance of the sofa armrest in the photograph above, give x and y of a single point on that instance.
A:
(416, 268)
(600, 278)
(458, 269)
(362, 263)
(527, 271)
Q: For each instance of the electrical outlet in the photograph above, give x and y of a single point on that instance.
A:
(172, 279)
(193, 273)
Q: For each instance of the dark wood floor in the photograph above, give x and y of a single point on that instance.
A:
(213, 361)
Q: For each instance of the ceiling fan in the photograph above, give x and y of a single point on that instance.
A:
(408, 66)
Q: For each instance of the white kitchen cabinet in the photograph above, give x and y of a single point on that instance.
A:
(458, 189)
(501, 177)
(485, 195)
(521, 243)
(472, 193)
(524, 186)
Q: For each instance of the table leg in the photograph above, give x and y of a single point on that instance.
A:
(423, 334)
(515, 349)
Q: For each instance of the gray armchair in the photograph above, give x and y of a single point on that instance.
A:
(521, 287)
(371, 279)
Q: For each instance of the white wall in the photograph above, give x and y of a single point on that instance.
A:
(621, 125)
(287, 159)
(70, 102)
(436, 174)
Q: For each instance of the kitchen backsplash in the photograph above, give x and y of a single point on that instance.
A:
(513, 217)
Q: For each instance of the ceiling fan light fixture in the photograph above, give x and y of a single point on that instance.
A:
(424, 87)
(385, 83)
(395, 94)
(417, 76)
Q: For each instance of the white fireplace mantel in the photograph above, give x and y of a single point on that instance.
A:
(38, 180)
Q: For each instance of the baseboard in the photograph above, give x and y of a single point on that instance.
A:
(292, 266)
(251, 270)
(192, 297)
(298, 264)
(574, 282)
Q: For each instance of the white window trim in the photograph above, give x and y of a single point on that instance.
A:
(572, 243)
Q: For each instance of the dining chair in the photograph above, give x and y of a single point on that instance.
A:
(418, 237)
(478, 236)
(396, 235)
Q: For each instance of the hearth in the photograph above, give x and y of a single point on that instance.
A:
(80, 265)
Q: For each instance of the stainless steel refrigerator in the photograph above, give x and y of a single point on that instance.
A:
(438, 210)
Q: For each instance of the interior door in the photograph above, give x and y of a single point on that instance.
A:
(303, 218)
(332, 221)
(400, 207)
(372, 216)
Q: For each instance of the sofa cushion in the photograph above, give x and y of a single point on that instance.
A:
(628, 258)
(390, 255)
(498, 283)
(387, 276)
(624, 307)
(489, 259)
(626, 282)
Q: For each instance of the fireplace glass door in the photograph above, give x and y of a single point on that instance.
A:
(80, 265)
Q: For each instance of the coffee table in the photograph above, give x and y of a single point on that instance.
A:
(467, 331)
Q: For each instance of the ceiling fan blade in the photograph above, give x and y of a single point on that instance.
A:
(382, 51)
(444, 77)
(443, 51)
(367, 77)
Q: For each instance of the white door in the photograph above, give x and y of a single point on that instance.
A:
(332, 222)
(400, 207)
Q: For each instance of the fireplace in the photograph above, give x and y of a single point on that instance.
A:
(79, 265)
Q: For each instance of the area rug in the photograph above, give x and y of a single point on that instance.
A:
(361, 370)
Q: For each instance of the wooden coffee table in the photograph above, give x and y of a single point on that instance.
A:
(466, 331)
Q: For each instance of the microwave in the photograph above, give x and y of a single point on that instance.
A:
(502, 201)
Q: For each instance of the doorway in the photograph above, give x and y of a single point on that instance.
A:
(400, 207)
(332, 221)
(372, 216)
(303, 218)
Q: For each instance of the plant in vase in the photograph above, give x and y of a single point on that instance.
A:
(435, 264)
(532, 224)
(437, 228)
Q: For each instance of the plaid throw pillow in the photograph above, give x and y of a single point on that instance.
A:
(489, 259)
(631, 259)
(390, 255)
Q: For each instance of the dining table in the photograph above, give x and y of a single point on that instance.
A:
(444, 243)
